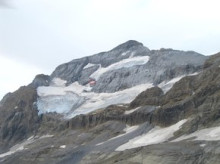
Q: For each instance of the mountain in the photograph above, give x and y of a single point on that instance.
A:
(128, 105)
(124, 71)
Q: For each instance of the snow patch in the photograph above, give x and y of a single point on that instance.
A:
(21, 146)
(131, 111)
(126, 63)
(100, 143)
(58, 82)
(202, 145)
(194, 74)
(167, 85)
(46, 136)
(89, 65)
(132, 55)
(125, 53)
(208, 134)
(30, 138)
(127, 130)
(63, 146)
(154, 136)
(130, 129)
(18, 147)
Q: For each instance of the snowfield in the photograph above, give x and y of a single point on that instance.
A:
(126, 63)
(74, 99)
(209, 134)
(154, 136)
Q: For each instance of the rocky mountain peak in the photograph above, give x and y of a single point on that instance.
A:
(128, 45)
(40, 80)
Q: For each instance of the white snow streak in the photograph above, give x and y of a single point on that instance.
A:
(127, 130)
(21, 146)
(89, 65)
(154, 136)
(166, 86)
(125, 53)
(126, 63)
(46, 136)
(63, 146)
(202, 145)
(131, 111)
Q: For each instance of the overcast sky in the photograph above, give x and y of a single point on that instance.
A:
(38, 35)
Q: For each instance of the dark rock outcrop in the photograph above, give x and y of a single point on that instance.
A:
(18, 116)
(40, 80)
(111, 113)
(151, 96)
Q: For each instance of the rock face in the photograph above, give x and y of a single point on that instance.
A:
(177, 126)
(73, 70)
(151, 96)
(40, 80)
(18, 116)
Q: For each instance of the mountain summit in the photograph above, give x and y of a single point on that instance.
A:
(127, 45)
(127, 105)
(118, 76)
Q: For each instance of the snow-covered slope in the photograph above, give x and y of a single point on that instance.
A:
(76, 99)
(128, 65)
(154, 136)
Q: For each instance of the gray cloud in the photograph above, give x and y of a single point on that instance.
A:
(5, 4)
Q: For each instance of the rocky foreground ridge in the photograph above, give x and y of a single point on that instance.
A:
(163, 124)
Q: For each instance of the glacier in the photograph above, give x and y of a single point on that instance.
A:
(75, 99)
